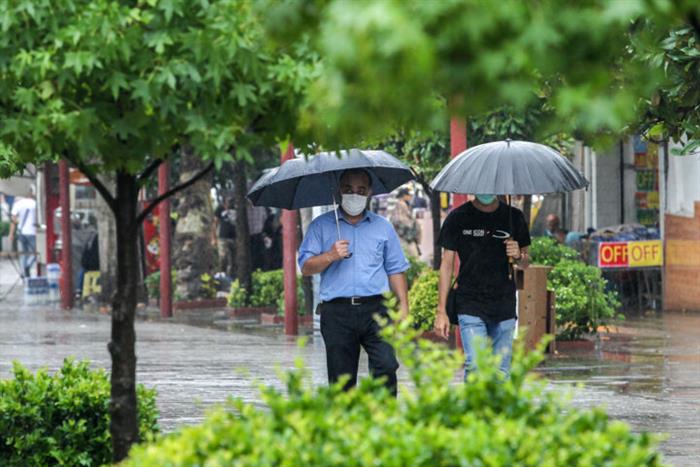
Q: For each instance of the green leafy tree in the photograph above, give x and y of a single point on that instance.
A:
(408, 64)
(672, 111)
(118, 87)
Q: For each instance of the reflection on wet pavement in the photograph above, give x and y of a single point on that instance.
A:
(646, 371)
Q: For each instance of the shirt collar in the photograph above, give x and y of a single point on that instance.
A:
(366, 218)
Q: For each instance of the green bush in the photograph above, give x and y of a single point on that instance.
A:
(582, 301)
(488, 421)
(268, 291)
(62, 419)
(423, 299)
(415, 269)
(153, 283)
(549, 252)
(209, 285)
(268, 286)
(237, 296)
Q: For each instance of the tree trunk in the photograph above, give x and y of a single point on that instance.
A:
(243, 258)
(123, 404)
(193, 252)
(107, 237)
(435, 213)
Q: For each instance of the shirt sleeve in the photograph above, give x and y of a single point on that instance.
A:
(311, 245)
(394, 260)
(521, 231)
(449, 239)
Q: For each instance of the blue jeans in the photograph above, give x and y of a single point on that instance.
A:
(27, 243)
(498, 334)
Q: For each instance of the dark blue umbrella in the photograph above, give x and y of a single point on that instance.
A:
(509, 168)
(303, 183)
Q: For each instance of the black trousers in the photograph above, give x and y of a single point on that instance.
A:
(346, 328)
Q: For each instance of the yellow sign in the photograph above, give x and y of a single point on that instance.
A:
(648, 253)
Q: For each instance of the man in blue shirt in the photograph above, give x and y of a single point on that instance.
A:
(355, 272)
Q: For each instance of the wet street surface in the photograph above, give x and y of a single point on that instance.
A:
(645, 371)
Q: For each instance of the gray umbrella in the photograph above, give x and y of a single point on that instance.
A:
(303, 183)
(509, 168)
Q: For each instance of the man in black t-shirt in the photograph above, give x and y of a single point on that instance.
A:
(226, 223)
(484, 233)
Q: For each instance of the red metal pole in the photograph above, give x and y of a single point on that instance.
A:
(66, 270)
(166, 283)
(289, 248)
(458, 144)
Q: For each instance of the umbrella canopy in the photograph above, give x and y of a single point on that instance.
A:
(300, 183)
(509, 168)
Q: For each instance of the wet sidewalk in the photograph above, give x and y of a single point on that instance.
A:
(646, 372)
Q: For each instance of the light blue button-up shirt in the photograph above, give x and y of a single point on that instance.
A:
(376, 254)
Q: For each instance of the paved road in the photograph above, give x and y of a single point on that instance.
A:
(647, 372)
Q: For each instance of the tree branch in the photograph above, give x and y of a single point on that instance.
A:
(148, 171)
(420, 178)
(141, 217)
(96, 182)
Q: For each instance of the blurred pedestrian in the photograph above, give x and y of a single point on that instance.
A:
(225, 220)
(554, 229)
(272, 241)
(256, 223)
(405, 223)
(24, 225)
(354, 275)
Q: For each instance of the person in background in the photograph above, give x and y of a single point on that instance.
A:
(225, 220)
(405, 223)
(420, 201)
(90, 257)
(355, 272)
(272, 240)
(256, 223)
(554, 229)
(24, 224)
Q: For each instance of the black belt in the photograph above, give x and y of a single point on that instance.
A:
(356, 300)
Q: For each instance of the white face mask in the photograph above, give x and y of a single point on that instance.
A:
(354, 204)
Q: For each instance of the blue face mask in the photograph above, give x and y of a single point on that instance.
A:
(486, 199)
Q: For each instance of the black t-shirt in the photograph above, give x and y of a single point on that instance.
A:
(227, 222)
(478, 237)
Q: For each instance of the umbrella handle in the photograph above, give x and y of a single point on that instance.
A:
(511, 267)
(511, 262)
(337, 221)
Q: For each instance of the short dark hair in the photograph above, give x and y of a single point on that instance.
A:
(403, 192)
(357, 172)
